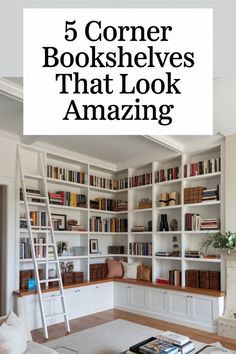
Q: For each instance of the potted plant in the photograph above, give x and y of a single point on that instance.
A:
(225, 240)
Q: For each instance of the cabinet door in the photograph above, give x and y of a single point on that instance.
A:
(203, 309)
(103, 296)
(78, 301)
(139, 296)
(123, 295)
(157, 300)
(178, 305)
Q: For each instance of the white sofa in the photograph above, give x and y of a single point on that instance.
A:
(32, 347)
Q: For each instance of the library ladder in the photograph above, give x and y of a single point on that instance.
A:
(49, 243)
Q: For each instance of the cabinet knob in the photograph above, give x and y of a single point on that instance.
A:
(97, 286)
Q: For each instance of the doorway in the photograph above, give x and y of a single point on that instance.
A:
(3, 244)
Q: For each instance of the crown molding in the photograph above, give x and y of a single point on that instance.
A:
(166, 141)
(11, 89)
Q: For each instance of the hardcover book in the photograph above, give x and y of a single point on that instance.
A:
(160, 346)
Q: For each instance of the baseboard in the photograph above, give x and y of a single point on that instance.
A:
(181, 321)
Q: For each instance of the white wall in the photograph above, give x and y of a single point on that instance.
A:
(230, 183)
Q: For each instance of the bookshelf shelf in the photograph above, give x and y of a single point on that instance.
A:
(204, 260)
(99, 211)
(172, 181)
(167, 258)
(107, 190)
(146, 186)
(139, 256)
(66, 183)
(202, 177)
(134, 197)
(140, 210)
(54, 206)
(179, 206)
(141, 233)
(107, 255)
(202, 204)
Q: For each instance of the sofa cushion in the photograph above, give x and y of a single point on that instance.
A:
(12, 339)
(114, 268)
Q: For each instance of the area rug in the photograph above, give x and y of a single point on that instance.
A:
(109, 338)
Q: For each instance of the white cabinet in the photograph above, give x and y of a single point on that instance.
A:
(102, 296)
(157, 300)
(194, 310)
(123, 293)
(78, 301)
(178, 305)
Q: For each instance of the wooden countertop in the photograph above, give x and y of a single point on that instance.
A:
(200, 291)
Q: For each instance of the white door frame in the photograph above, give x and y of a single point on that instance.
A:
(11, 267)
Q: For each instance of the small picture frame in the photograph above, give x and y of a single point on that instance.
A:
(59, 222)
(93, 245)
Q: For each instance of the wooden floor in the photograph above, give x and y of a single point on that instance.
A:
(82, 323)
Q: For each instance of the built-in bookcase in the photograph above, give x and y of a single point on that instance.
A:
(135, 194)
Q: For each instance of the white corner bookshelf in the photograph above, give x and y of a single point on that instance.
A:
(133, 194)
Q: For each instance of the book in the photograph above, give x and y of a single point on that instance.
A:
(175, 338)
(183, 349)
(135, 348)
(159, 345)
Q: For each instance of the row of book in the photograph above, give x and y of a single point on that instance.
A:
(37, 218)
(193, 222)
(202, 279)
(167, 174)
(141, 180)
(25, 249)
(65, 174)
(140, 248)
(202, 167)
(97, 224)
(108, 204)
(175, 277)
(71, 199)
(210, 194)
(108, 183)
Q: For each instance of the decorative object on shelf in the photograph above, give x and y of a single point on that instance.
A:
(163, 254)
(31, 284)
(93, 243)
(164, 223)
(69, 267)
(164, 200)
(63, 248)
(192, 254)
(150, 225)
(195, 277)
(144, 203)
(139, 228)
(116, 249)
(176, 251)
(78, 250)
(173, 198)
(59, 222)
(99, 271)
(173, 225)
(62, 267)
(220, 240)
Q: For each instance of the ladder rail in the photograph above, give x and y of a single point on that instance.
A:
(53, 240)
(36, 274)
(49, 239)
